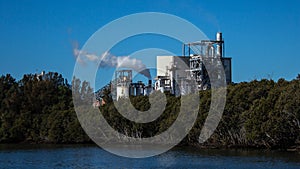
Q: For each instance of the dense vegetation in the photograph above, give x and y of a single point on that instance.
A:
(38, 109)
(257, 114)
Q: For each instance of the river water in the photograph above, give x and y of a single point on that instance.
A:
(90, 156)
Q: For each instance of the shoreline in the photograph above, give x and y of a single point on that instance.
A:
(295, 148)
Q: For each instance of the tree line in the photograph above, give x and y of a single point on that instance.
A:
(260, 113)
(38, 109)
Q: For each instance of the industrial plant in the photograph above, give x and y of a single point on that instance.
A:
(174, 73)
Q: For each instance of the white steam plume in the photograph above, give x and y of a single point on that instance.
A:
(109, 60)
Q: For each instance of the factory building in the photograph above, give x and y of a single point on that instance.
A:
(172, 78)
(123, 87)
(174, 73)
(123, 79)
(171, 74)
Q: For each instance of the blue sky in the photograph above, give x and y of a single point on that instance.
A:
(262, 37)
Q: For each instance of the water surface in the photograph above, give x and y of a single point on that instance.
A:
(90, 156)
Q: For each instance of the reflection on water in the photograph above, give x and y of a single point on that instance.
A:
(89, 156)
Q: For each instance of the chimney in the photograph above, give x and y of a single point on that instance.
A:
(220, 42)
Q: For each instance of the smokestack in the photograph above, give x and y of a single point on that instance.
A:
(219, 36)
(220, 42)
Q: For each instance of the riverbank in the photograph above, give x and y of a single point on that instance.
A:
(295, 148)
(195, 146)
